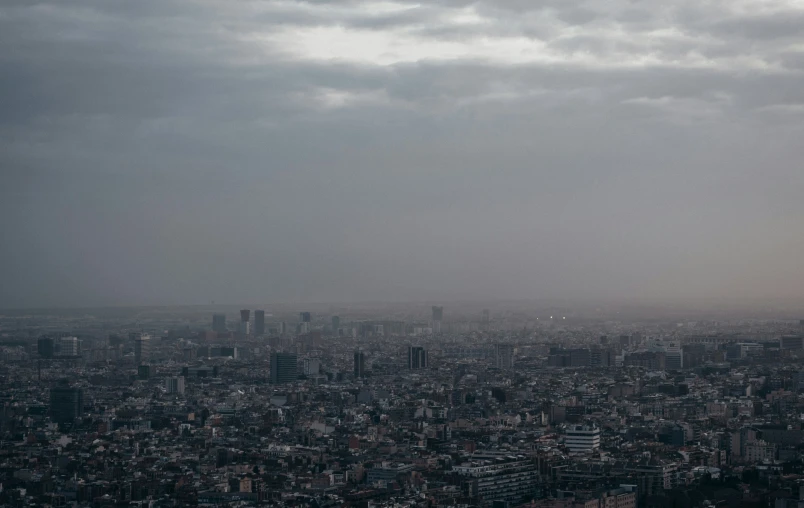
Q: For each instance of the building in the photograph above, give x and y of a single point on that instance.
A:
(486, 320)
(387, 472)
(336, 324)
(673, 356)
(360, 364)
(492, 476)
(245, 315)
(259, 322)
(504, 356)
(219, 323)
(791, 342)
(580, 438)
(305, 317)
(312, 366)
(417, 357)
(46, 347)
(438, 316)
(142, 348)
(69, 346)
(283, 368)
(175, 385)
(66, 403)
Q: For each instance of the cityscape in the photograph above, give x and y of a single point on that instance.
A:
(402, 253)
(402, 405)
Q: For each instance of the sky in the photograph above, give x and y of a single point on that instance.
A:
(157, 152)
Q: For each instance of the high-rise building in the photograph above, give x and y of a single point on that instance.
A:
(417, 357)
(283, 368)
(673, 356)
(175, 385)
(486, 323)
(791, 342)
(438, 316)
(312, 366)
(46, 347)
(360, 364)
(245, 315)
(259, 322)
(219, 323)
(142, 349)
(305, 317)
(504, 356)
(336, 324)
(69, 346)
(582, 439)
(66, 403)
(244, 328)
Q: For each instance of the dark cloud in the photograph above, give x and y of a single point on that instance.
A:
(289, 151)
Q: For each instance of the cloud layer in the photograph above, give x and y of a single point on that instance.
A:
(160, 152)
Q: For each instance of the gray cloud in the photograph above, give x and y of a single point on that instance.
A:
(158, 152)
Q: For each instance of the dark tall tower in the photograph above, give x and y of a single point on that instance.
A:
(66, 403)
(336, 324)
(417, 357)
(46, 347)
(259, 322)
(438, 316)
(283, 368)
(245, 316)
(360, 364)
(219, 323)
(305, 317)
(142, 349)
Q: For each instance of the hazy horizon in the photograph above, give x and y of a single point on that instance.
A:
(346, 151)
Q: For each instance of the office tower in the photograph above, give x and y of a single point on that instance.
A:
(674, 356)
(283, 328)
(245, 315)
(283, 368)
(360, 364)
(175, 385)
(791, 342)
(417, 357)
(336, 324)
(438, 316)
(504, 356)
(486, 319)
(312, 366)
(69, 346)
(46, 347)
(305, 317)
(142, 349)
(244, 328)
(219, 323)
(259, 322)
(66, 403)
(580, 438)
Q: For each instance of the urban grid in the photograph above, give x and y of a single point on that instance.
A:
(400, 406)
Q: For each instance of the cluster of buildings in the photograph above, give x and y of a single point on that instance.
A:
(399, 409)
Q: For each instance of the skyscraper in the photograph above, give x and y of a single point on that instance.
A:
(66, 403)
(417, 357)
(174, 385)
(46, 347)
(69, 346)
(142, 348)
(245, 315)
(283, 368)
(336, 324)
(219, 323)
(504, 356)
(305, 317)
(360, 364)
(259, 322)
(486, 322)
(438, 316)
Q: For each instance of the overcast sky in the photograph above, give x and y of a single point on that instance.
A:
(279, 151)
